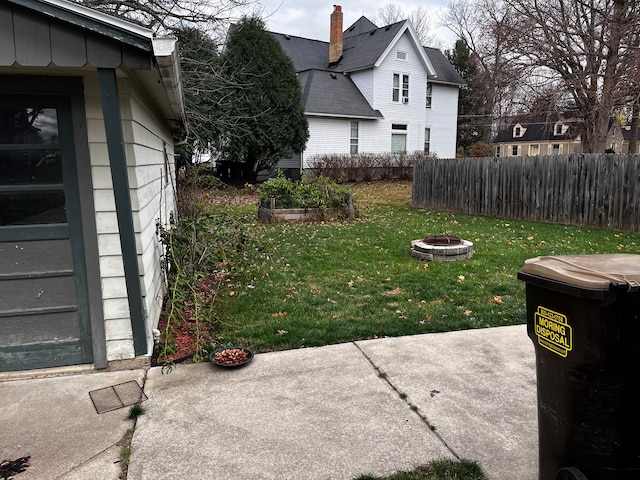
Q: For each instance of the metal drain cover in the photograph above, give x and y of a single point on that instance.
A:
(117, 396)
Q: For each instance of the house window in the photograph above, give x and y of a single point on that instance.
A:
(429, 94)
(353, 148)
(401, 56)
(534, 150)
(514, 150)
(405, 88)
(497, 150)
(398, 138)
(555, 149)
(427, 140)
(518, 131)
(400, 88)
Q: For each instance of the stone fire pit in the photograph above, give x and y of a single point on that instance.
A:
(441, 248)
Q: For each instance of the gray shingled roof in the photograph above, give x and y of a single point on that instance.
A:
(362, 25)
(445, 72)
(360, 51)
(326, 90)
(334, 94)
(305, 54)
(537, 130)
(363, 50)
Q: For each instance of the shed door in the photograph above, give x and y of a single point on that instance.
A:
(44, 312)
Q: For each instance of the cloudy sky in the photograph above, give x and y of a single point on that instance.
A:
(310, 18)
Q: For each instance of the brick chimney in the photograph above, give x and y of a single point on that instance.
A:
(335, 35)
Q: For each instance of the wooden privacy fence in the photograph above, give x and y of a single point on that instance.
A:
(583, 189)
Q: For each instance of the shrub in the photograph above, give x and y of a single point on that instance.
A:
(366, 166)
(320, 192)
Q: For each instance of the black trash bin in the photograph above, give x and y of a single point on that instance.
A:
(583, 318)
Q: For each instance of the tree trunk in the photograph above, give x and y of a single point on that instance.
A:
(633, 134)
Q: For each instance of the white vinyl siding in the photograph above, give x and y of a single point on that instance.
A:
(151, 179)
(442, 118)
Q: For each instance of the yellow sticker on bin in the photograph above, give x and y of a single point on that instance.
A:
(553, 331)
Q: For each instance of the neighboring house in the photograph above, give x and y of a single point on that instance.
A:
(626, 135)
(535, 136)
(89, 105)
(373, 90)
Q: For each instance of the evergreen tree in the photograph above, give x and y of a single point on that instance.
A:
(474, 117)
(270, 122)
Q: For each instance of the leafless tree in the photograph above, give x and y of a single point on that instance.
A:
(584, 47)
(419, 18)
(480, 24)
(163, 15)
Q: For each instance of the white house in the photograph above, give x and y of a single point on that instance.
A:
(373, 90)
(89, 105)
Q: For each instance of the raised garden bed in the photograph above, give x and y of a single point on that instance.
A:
(282, 200)
(281, 215)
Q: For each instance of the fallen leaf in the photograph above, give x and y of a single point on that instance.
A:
(461, 278)
(467, 312)
(497, 300)
(395, 291)
(279, 314)
(436, 302)
(281, 332)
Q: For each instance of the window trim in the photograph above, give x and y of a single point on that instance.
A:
(429, 99)
(400, 88)
(427, 140)
(354, 140)
(399, 129)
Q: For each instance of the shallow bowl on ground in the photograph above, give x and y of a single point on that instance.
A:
(231, 357)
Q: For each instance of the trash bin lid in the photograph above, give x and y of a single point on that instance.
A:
(598, 271)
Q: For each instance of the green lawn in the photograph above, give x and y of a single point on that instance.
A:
(296, 285)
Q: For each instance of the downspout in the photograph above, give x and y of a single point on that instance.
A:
(118, 163)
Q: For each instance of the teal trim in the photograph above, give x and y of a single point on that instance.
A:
(38, 311)
(124, 210)
(43, 187)
(15, 233)
(23, 276)
(28, 146)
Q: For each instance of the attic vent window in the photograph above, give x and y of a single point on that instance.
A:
(401, 56)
